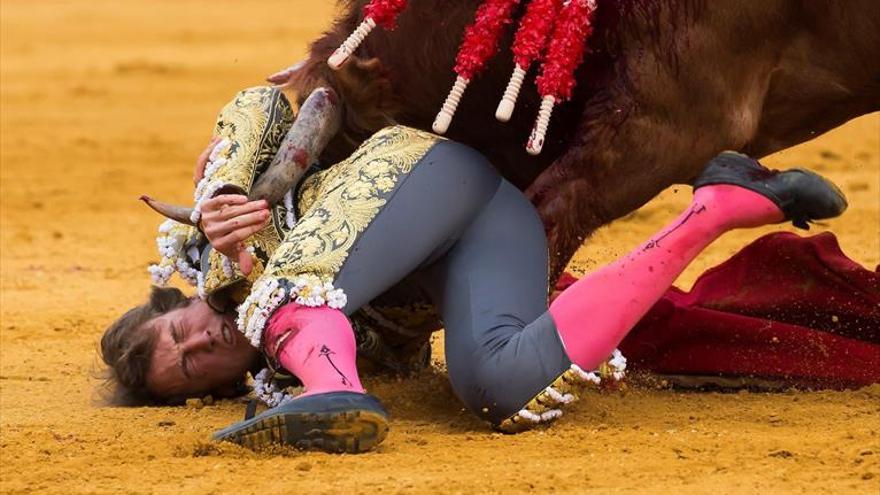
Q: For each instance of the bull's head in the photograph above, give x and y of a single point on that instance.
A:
(318, 120)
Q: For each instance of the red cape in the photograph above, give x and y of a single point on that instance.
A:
(785, 310)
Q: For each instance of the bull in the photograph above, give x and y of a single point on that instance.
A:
(666, 85)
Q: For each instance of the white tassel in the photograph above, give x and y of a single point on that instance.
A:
(444, 118)
(351, 44)
(508, 101)
(539, 132)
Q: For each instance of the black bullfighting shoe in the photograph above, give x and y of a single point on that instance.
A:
(335, 422)
(802, 195)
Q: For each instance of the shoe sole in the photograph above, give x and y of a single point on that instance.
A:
(351, 432)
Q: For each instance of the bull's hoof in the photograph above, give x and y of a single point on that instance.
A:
(802, 195)
(335, 422)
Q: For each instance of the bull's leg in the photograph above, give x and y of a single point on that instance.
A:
(658, 118)
(602, 179)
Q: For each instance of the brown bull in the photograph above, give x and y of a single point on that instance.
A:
(668, 84)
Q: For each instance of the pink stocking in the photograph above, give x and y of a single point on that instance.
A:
(317, 345)
(595, 313)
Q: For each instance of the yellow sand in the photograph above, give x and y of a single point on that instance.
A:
(105, 100)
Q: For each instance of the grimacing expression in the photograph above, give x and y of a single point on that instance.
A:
(198, 351)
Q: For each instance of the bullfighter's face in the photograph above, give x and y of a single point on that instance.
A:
(198, 351)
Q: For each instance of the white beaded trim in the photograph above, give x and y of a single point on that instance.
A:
(207, 193)
(268, 295)
(592, 376)
(267, 390)
(187, 272)
(167, 244)
(166, 226)
(228, 266)
(290, 216)
(172, 257)
(206, 188)
(558, 397)
(160, 274)
(617, 365)
(544, 417)
(200, 284)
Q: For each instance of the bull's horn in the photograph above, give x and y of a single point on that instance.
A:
(179, 214)
(319, 119)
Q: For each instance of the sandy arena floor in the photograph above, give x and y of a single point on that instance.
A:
(103, 101)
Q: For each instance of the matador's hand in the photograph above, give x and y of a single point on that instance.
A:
(228, 219)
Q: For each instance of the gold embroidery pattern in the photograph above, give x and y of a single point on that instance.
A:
(349, 195)
(308, 191)
(255, 123)
(339, 204)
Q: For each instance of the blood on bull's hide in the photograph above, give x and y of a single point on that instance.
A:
(666, 86)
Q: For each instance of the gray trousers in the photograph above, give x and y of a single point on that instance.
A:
(476, 245)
